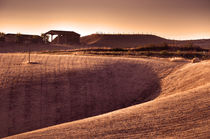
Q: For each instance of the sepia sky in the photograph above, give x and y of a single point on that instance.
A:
(173, 19)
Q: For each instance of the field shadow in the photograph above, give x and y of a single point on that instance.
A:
(52, 99)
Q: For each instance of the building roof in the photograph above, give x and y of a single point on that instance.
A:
(60, 32)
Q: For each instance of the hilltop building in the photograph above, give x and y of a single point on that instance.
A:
(63, 37)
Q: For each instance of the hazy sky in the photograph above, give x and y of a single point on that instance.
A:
(174, 19)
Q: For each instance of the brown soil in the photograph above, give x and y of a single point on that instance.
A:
(60, 89)
(134, 40)
(65, 88)
(20, 48)
(120, 41)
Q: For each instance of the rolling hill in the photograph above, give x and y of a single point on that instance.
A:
(59, 89)
(134, 40)
(120, 41)
(123, 97)
(180, 111)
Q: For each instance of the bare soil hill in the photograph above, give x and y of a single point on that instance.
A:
(58, 89)
(180, 111)
(20, 48)
(203, 43)
(121, 41)
(190, 76)
(134, 40)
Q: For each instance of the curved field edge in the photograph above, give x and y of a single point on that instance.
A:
(181, 111)
(181, 115)
(58, 89)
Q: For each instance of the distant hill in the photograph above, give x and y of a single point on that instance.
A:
(203, 43)
(134, 40)
(122, 41)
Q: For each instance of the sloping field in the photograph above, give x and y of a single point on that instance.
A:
(180, 111)
(203, 43)
(120, 41)
(183, 115)
(134, 40)
(58, 89)
(187, 78)
(19, 48)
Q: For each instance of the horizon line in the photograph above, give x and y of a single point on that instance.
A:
(118, 33)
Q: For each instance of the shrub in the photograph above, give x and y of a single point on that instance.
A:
(178, 52)
(195, 60)
(45, 38)
(2, 34)
(153, 47)
(2, 37)
(164, 53)
(192, 47)
(118, 49)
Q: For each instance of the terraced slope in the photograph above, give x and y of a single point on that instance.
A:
(180, 111)
(59, 89)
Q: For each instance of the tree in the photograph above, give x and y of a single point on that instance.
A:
(45, 38)
(2, 34)
(2, 37)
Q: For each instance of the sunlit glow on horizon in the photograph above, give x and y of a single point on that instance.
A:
(85, 32)
(174, 20)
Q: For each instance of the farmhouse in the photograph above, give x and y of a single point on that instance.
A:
(63, 37)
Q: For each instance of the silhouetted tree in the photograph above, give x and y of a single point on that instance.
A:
(45, 38)
(2, 37)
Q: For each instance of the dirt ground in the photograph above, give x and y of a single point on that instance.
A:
(123, 97)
